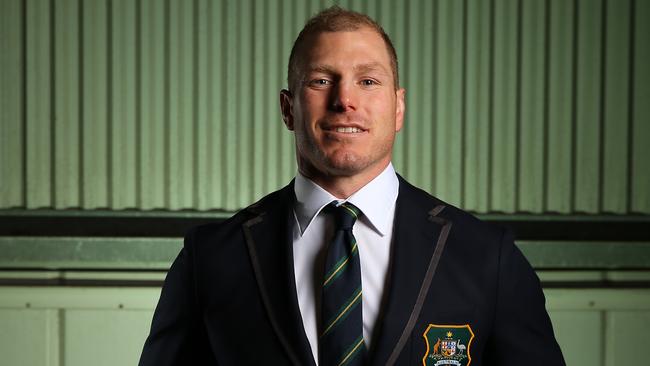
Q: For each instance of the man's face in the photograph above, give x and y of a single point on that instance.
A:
(345, 111)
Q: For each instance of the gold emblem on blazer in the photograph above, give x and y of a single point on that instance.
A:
(448, 344)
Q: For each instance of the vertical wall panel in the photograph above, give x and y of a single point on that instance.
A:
(292, 22)
(12, 160)
(615, 117)
(393, 18)
(448, 101)
(512, 105)
(209, 104)
(280, 40)
(245, 144)
(425, 95)
(38, 128)
(588, 106)
(274, 129)
(151, 150)
(477, 105)
(231, 161)
(299, 12)
(530, 158)
(413, 152)
(504, 97)
(258, 79)
(180, 121)
(66, 100)
(560, 102)
(371, 8)
(95, 124)
(641, 109)
(123, 107)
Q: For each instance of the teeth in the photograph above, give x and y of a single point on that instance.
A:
(348, 129)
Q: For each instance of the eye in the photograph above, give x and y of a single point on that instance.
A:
(369, 82)
(320, 82)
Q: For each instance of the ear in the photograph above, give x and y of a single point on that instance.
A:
(286, 107)
(400, 108)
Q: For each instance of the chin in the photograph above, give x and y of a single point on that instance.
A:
(347, 164)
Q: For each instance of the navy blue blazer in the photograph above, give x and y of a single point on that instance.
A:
(459, 292)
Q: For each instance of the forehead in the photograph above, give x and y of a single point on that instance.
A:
(346, 49)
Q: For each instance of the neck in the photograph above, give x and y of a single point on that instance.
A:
(342, 186)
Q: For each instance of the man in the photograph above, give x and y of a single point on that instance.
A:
(349, 264)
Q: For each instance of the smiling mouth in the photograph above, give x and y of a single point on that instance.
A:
(348, 129)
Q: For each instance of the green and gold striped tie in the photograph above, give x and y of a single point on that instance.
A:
(341, 330)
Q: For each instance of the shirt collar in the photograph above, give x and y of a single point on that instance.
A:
(311, 198)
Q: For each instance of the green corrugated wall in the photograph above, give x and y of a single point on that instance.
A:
(109, 108)
(513, 105)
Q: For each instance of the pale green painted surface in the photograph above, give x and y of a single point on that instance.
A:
(513, 106)
(79, 298)
(158, 253)
(29, 337)
(104, 337)
(67, 326)
(626, 337)
(579, 334)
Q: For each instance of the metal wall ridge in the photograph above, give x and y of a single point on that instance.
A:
(513, 106)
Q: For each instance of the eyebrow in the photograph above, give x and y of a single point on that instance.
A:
(367, 67)
(372, 66)
(321, 68)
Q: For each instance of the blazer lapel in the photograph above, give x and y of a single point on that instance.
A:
(418, 242)
(268, 237)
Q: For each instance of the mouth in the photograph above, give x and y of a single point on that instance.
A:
(347, 129)
(343, 128)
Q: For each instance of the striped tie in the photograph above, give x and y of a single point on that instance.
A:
(341, 335)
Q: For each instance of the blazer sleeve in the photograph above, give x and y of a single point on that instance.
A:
(177, 335)
(522, 333)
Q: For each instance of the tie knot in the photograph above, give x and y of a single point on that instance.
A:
(344, 215)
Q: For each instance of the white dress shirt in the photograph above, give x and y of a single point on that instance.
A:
(313, 231)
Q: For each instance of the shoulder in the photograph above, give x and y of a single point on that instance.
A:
(467, 230)
(474, 229)
(419, 200)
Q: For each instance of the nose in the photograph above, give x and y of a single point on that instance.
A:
(344, 97)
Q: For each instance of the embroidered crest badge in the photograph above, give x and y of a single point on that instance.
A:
(448, 345)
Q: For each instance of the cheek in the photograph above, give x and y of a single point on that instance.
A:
(313, 100)
(312, 111)
(384, 115)
(382, 103)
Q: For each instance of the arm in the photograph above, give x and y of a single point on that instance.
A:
(522, 334)
(177, 334)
